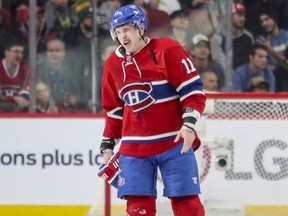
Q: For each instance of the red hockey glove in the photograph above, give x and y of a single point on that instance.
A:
(109, 172)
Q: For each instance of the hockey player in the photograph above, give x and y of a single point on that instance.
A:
(153, 98)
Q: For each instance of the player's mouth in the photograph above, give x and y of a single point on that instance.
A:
(125, 43)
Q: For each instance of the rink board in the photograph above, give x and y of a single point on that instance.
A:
(36, 180)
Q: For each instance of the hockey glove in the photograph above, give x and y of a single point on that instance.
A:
(109, 172)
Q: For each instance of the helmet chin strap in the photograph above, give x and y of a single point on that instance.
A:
(150, 49)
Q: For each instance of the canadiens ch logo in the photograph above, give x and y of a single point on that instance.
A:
(137, 95)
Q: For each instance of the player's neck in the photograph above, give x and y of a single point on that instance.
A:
(142, 43)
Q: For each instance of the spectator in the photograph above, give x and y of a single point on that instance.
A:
(44, 103)
(79, 37)
(14, 74)
(78, 45)
(157, 27)
(168, 6)
(242, 40)
(5, 25)
(5, 17)
(200, 52)
(10, 6)
(104, 13)
(59, 16)
(42, 35)
(83, 8)
(210, 81)
(275, 39)
(258, 85)
(179, 21)
(257, 67)
(107, 47)
(61, 74)
(205, 16)
(254, 8)
(192, 4)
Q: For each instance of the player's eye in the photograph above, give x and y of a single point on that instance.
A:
(122, 31)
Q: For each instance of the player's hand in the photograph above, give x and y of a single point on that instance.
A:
(188, 137)
(107, 155)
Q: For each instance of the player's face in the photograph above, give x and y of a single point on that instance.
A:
(130, 38)
(14, 55)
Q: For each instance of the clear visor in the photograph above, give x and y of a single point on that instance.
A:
(113, 34)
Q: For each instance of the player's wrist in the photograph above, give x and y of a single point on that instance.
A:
(107, 151)
(107, 145)
(190, 117)
(185, 127)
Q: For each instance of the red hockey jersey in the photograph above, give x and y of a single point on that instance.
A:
(13, 85)
(144, 100)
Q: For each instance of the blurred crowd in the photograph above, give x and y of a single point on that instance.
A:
(254, 60)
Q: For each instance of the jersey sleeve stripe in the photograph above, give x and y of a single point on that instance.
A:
(193, 87)
(116, 113)
(191, 93)
(193, 79)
